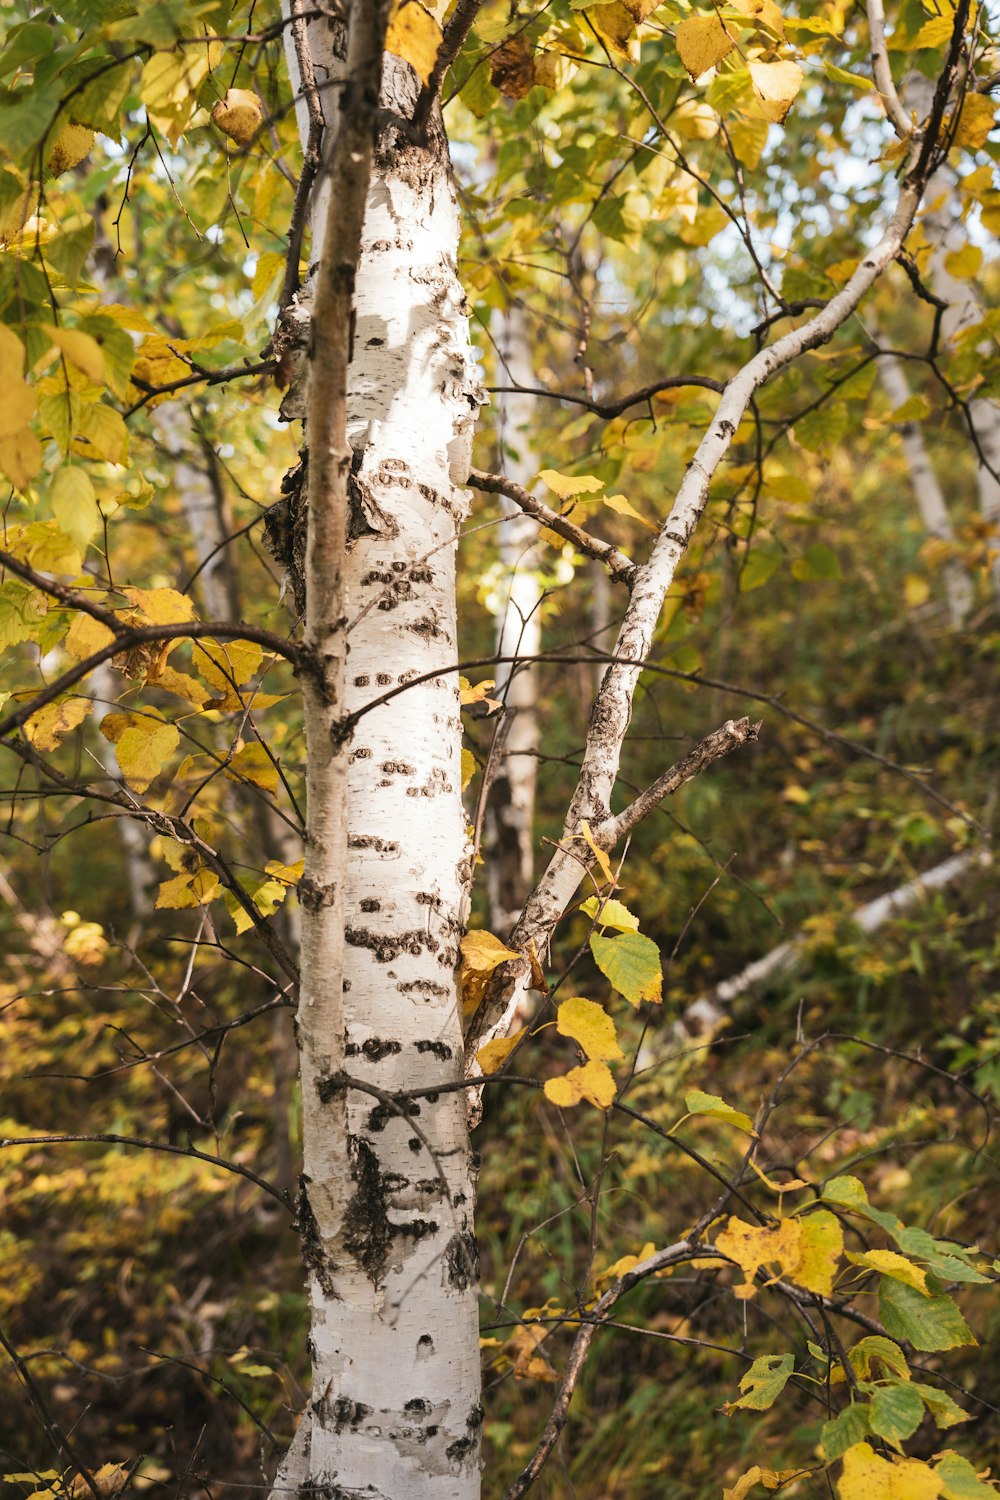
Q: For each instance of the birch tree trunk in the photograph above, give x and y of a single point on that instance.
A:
(927, 491)
(386, 1208)
(511, 813)
(942, 224)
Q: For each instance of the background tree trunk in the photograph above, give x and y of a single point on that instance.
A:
(511, 811)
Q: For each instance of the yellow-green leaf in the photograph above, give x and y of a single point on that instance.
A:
(764, 1382)
(74, 504)
(965, 263)
(632, 963)
(716, 1108)
(589, 1024)
(610, 913)
(142, 742)
(888, 1263)
(975, 121)
(161, 606)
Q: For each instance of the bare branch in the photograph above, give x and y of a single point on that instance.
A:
(882, 72)
(621, 568)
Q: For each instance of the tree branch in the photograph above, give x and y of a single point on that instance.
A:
(621, 568)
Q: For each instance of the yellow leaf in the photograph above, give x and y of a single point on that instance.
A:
(615, 25)
(415, 36)
(792, 1185)
(496, 1052)
(702, 42)
(765, 13)
(748, 138)
(771, 1479)
(468, 767)
(482, 952)
(965, 263)
(477, 694)
(226, 665)
(567, 485)
(11, 355)
(80, 349)
(805, 1250)
(45, 729)
(161, 606)
(17, 407)
(74, 504)
(776, 85)
(623, 507)
(175, 894)
(594, 1081)
(867, 1477)
(626, 1263)
(528, 1363)
(170, 84)
(796, 794)
(916, 590)
(142, 743)
(290, 874)
(975, 121)
(71, 146)
(21, 457)
(86, 636)
(253, 763)
(888, 1263)
(589, 1024)
(181, 685)
(238, 115)
(603, 862)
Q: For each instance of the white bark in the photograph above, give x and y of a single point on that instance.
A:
(178, 438)
(927, 492)
(942, 224)
(387, 1203)
(709, 1009)
(511, 812)
(139, 872)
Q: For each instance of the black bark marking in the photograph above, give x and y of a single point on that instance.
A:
(375, 1048)
(309, 1236)
(370, 904)
(369, 841)
(389, 945)
(348, 1414)
(314, 896)
(462, 1260)
(440, 1050)
(367, 1231)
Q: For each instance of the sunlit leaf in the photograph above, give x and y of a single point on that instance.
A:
(589, 1024)
(631, 962)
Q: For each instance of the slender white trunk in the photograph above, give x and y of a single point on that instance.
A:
(511, 814)
(709, 1009)
(386, 1210)
(202, 506)
(927, 492)
(942, 224)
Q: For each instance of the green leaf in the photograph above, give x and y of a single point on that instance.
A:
(764, 1382)
(896, 1412)
(819, 565)
(761, 564)
(822, 428)
(698, 1103)
(925, 1322)
(632, 963)
(847, 1428)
